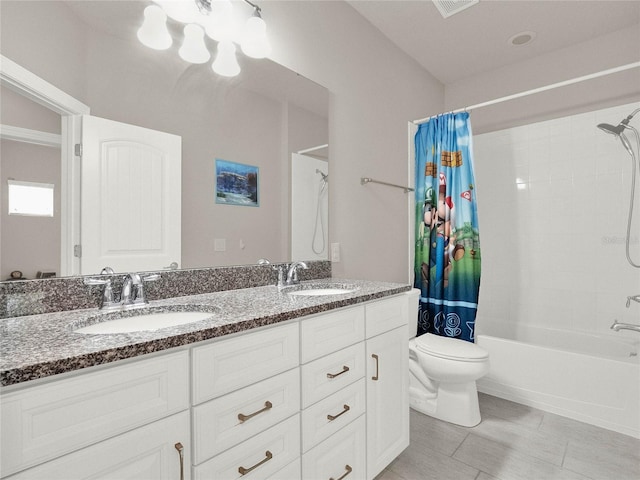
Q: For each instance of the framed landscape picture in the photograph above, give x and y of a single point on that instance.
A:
(236, 184)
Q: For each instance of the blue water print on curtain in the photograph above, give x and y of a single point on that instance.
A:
(447, 249)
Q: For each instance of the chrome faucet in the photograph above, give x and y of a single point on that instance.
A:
(624, 326)
(107, 300)
(132, 295)
(292, 274)
(635, 298)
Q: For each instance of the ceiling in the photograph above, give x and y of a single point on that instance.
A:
(475, 40)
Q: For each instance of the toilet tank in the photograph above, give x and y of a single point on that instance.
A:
(413, 300)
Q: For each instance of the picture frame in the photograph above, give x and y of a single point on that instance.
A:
(236, 183)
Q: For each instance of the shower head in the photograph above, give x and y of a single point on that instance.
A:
(618, 132)
(325, 177)
(605, 127)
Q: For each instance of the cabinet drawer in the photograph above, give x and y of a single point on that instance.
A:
(387, 314)
(340, 454)
(343, 406)
(237, 362)
(331, 332)
(290, 472)
(265, 454)
(327, 375)
(46, 421)
(147, 452)
(216, 426)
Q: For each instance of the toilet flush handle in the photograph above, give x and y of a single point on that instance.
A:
(375, 357)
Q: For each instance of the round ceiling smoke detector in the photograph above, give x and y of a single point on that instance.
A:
(521, 39)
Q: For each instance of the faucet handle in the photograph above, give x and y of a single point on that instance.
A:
(140, 299)
(107, 301)
(280, 270)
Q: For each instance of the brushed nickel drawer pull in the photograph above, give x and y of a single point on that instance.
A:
(178, 446)
(333, 417)
(348, 471)
(267, 406)
(375, 357)
(244, 471)
(345, 369)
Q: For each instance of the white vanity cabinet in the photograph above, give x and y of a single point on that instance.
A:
(320, 397)
(387, 381)
(246, 397)
(63, 424)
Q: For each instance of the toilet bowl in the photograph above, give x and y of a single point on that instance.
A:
(442, 377)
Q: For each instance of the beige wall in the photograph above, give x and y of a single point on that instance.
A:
(601, 53)
(236, 125)
(375, 90)
(29, 244)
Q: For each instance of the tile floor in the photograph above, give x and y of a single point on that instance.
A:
(514, 442)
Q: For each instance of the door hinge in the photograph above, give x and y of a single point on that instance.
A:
(78, 150)
(77, 251)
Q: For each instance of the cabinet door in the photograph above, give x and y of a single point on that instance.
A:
(340, 456)
(149, 452)
(46, 421)
(387, 398)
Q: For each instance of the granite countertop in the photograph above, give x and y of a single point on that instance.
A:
(38, 346)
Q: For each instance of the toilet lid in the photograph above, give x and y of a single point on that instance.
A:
(453, 348)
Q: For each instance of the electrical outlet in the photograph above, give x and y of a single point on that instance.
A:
(219, 244)
(335, 252)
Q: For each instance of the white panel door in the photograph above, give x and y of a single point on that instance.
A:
(131, 206)
(309, 208)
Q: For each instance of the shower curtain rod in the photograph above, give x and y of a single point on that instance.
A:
(313, 149)
(526, 93)
(365, 180)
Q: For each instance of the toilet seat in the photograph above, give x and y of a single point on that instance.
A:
(450, 348)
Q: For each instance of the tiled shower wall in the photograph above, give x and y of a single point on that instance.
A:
(553, 201)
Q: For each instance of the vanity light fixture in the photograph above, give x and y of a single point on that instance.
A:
(193, 49)
(154, 33)
(216, 19)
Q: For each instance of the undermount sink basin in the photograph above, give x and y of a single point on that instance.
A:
(319, 290)
(143, 321)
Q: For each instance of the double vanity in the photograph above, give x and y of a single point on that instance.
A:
(308, 382)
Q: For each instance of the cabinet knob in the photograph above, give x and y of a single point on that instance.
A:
(345, 369)
(244, 471)
(333, 417)
(180, 450)
(347, 472)
(267, 406)
(375, 357)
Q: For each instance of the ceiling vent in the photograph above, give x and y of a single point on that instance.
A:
(451, 7)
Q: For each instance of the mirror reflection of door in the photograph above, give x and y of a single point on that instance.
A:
(309, 207)
(131, 189)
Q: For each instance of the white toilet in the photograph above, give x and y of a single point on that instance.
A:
(442, 377)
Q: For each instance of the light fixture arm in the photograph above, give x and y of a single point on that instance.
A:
(204, 6)
(257, 8)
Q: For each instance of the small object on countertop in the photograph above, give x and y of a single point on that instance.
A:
(16, 275)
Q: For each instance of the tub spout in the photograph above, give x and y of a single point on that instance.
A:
(624, 326)
(635, 298)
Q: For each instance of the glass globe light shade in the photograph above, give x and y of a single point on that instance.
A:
(220, 25)
(153, 33)
(193, 49)
(226, 63)
(255, 43)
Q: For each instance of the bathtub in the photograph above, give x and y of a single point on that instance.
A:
(588, 378)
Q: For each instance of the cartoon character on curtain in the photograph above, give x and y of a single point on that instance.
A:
(447, 260)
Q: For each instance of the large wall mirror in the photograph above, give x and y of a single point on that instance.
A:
(262, 118)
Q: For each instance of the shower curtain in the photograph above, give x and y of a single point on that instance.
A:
(447, 248)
